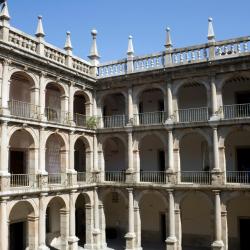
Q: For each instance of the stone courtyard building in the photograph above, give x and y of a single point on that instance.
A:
(147, 152)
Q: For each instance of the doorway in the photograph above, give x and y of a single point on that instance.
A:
(17, 236)
(244, 234)
(243, 159)
(17, 162)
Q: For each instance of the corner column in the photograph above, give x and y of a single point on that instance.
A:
(218, 243)
(4, 242)
(213, 99)
(130, 236)
(130, 106)
(171, 240)
(169, 103)
(130, 170)
(96, 231)
(5, 87)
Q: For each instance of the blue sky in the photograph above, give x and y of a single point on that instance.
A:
(115, 20)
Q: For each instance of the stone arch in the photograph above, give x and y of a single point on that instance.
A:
(23, 226)
(81, 105)
(105, 192)
(63, 90)
(31, 76)
(63, 137)
(102, 96)
(85, 140)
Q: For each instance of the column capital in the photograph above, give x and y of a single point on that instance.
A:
(73, 191)
(4, 199)
(43, 195)
(130, 190)
(216, 192)
(170, 191)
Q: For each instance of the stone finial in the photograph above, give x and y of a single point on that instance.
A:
(68, 44)
(130, 51)
(210, 34)
(4, 15)
(39, 30)
(93, 55)
(168, 44)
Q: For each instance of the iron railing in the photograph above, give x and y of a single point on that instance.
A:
(115, 176)
(153, 176)
(238, 177)
(236, 111)
(54, 178)
(199, 177)
(148, 118)
(55, 115)
(20, 180)
(80, 120)
(81, 176)
(114, 121)
(23, 109)
(192, 115)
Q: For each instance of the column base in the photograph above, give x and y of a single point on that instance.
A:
(218, 245)
(171, 243)
(73, 243)
(130, 241)
(43, 247)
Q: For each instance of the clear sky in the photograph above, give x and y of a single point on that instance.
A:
(115, 20)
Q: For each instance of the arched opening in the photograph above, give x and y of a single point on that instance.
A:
(22, 227)
(82, 218)
(115, 159)
(237, 154)
(238, 219)
(151, 107)
(56, 224)
(116, 214)
(22, 158)
(192, 103)
(55, 158)
(80, 159)
(114, 110)
(81, 108)
(154, 226)
(236, 98)
(22, 96)
(55, 103)
(196, 222)
(152, 159)
(194, 159)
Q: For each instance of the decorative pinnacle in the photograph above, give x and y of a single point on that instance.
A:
(4, 15)
(210, 34)
(39, 30)
(93, 50)
(168, 44)
(68, 44)
(130, 50)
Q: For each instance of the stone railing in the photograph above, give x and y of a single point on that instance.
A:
(179, 56)
(31, 44)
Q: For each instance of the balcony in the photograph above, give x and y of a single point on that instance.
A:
(150, 118)
(115, 121)
(23, 109)
(81, 177)
(236, 111)
(54, 179)
(192, 115)
(153, 176)
(115, 176)
(57, 116)
(197, 177)
(80, 120)
(242, 177)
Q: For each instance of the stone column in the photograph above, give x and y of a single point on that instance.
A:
(3, 224)
(130, 236)
(218, 243)
(169, 103)
(136, 165)
(65, 108)
(171, 239)
(213, 98)
(95, 154)
(103, 243)
(73, 240)
(5, 87)
(89, 226)
(72, 173)
(178, 228)
(4, 150)
(71, 103)
(137, 227)
(32, 237)
(42, 223)
(170, 158)
(42, 96)
(130, 106)
(130, 170)
(224, 228)
(96, 231)
(64, 226)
